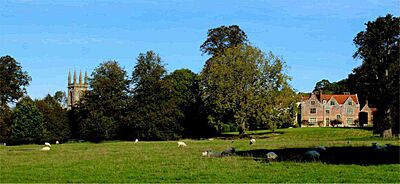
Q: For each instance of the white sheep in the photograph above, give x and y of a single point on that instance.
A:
(46, 148)
(57, 142)
(252, 141)
(320, 148)
(137, 140)
(272, 156)
(209, 153)
(47, 144)
(181, 143)
(312, 154)
(210, 139)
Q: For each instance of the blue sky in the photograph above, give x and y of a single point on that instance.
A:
(49, 38)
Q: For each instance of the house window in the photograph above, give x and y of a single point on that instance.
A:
(350, 103)
(313, 120)
(327, 111)
(312, 102)
(332, 102)
(327, 121)
(349, 111)
(338, 117)
(350, 121)
(313, 110)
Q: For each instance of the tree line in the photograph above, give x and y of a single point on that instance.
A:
(240, 88)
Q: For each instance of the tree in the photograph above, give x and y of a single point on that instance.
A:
(378, 76)
(153, 112)
(56, 124)
(27, 125)
(186, 94)
(221, 38)
(6, 117)
(105, 103)
(228, 86)
(12, 81)
(327, 87)
(61, 98)
(276, 99)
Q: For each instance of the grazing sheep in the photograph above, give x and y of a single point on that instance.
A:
(320, 148)
(57, 142)
(47, 144)
(46, 148)
(271, 156)
(376, 147)
(252, 141)
(209, 153)
(228, 152)
(181, 143)
(136, 140)
(210, 139)
(312, 155)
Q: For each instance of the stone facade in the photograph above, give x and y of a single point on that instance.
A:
(320, 109)
(370, 113)
(76, 89)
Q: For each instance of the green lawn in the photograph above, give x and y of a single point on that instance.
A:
(165, 162)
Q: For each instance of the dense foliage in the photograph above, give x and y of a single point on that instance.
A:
(12, 81)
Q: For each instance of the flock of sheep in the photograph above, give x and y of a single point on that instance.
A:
(311, 155)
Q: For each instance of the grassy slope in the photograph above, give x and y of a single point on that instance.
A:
(164, 162)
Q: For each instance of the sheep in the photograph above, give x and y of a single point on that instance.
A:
(57, 142)
(252, 141)
(181, 143)
(46, 148)
(321, 148)
(47, 144)
(228, 152)
(210, 139)
(312, 155)
(137, 140)
(210, 153)
(271, 156)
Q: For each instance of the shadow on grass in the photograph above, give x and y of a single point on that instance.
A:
(332, 155)
(248, 135)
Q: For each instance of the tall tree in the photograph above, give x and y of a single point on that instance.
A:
(61, 98)
(55, 118)
(13, 81)
(378, 75)
(186, 94)
(240, 85)
(105, 103)
(327, 87)
(220, 38)
(153, 112)
(28, 124)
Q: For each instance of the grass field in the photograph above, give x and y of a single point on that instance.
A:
(165, 162)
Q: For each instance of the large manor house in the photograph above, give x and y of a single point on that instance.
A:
(320, 109)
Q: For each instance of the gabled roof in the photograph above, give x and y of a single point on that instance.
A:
(341, 99)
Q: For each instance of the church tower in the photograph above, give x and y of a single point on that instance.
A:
(76, 89)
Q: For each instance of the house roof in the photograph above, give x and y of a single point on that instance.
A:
(339, 98)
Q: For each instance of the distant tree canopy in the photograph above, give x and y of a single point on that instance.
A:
(223, 37)
(327, 87)
(13, 81)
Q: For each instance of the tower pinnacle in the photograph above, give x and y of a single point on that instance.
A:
(74, 76)
(69, 77)
(86, 77)
(80, 77)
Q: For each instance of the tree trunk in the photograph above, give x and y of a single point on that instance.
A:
(387, 133)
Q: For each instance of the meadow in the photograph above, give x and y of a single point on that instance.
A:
(121, 161)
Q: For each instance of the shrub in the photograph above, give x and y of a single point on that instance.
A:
(226, 128)
(335, 122)
(304, 122)
(320, 123)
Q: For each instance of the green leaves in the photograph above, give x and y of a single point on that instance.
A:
(12, 81)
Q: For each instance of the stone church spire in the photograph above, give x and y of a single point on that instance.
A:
(86, 77)
(74, 76)
(80, 77)
(69, 77)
